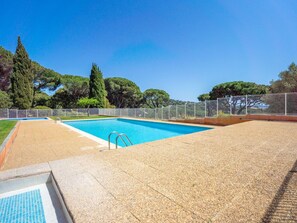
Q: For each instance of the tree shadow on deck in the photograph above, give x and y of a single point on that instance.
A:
(283, 207)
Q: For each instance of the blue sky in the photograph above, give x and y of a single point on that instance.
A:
(184, 47)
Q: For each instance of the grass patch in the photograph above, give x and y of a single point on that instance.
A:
(5, 128)
(79, 117)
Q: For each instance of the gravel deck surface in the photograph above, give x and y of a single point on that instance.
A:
(240, 173)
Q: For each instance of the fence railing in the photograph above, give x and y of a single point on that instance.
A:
(268, 104)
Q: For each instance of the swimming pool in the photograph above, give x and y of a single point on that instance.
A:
(27, 119)
(137, 131)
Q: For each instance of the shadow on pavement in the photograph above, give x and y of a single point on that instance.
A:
(283, 207)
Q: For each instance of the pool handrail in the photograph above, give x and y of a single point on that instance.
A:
(119, 135)
(113, 132)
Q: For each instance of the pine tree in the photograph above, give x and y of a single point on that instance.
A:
(22, 78)
(97, 86)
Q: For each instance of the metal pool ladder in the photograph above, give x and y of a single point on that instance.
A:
(119, 135)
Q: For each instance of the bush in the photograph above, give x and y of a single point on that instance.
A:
(223, 115)
(87, 102)
(41, 99)
(41, 107)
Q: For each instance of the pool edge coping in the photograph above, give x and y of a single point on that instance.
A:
(102, 143)
(171, 123)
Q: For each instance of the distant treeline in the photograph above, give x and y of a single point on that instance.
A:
(26, 84)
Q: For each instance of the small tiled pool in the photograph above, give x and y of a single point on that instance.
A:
(25, 207)
(32, 199)
(27, 119)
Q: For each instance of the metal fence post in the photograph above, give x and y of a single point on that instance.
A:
(176, 111)
(169, 106)
(246, 104)
(231, 105)
(37, 113)
(194, 110)
(162, 113)
(144, 113)
(17, 113)
(26, 113)
(205, 108)
(155, 113)
(185, 110)
(286, 104)
(7, 113)
(217, 107)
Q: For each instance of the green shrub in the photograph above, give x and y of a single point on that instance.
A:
(223, 115)
(42, 107)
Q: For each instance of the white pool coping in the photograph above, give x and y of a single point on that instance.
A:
(102, 142)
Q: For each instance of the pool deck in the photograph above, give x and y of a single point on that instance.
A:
(43, 141)
(240, 173)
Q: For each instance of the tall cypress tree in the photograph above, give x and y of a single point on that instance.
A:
(22, 78)
(97, 86)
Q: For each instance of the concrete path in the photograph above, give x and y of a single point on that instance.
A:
(43, 141)
(239, 173)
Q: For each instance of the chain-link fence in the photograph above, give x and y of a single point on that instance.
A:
(267, 104)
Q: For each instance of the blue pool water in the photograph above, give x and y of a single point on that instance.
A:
(25, 208)
(138, 131)
(25, 119)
